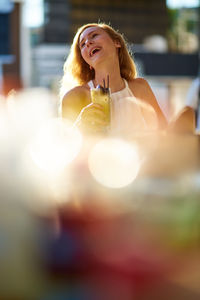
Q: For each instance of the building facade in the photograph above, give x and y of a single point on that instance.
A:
(11, 69)
(136, 19)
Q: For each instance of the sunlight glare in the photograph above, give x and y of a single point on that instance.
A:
(29, 109)
(56, 145)
(114, 163)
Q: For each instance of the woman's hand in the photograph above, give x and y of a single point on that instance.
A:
(93, 119)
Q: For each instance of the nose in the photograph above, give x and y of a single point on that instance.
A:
(88, 42)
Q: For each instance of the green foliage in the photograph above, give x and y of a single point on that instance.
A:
(172, 16)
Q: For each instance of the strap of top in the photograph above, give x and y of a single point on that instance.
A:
(127, 86)
(91, 84)
(126, 83)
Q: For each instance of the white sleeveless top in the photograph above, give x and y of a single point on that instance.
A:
(126, 114)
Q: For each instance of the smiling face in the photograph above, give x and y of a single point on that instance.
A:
(111, 48)
(96, 45)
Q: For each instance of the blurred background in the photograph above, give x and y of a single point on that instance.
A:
(35, 37)
(96, 220)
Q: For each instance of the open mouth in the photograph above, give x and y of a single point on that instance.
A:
(94, 51)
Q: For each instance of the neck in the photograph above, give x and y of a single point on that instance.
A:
(111, 68)
(116, 82)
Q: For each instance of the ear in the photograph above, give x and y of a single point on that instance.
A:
(117, 44)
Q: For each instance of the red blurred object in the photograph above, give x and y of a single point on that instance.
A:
(105, 253)
(11, 83)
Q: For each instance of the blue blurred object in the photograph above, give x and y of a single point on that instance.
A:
(6, 6)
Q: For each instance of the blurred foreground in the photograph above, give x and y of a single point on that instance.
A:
(94, 219)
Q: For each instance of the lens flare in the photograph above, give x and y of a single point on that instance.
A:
(56, 145)
(29, 109)
(114, 163)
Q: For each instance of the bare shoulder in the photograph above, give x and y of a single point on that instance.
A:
(138, 80)
(142, 91)
(140, 87)
(76, 93)
(74, 100)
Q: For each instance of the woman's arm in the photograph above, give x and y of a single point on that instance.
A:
(78, 108)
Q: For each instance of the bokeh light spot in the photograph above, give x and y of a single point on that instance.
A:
(114, 163)
(56, 145)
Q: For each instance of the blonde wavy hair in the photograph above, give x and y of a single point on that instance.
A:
(75, 68)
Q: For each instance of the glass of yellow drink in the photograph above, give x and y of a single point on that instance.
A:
(101, 95)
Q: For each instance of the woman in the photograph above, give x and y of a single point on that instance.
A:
(99, 52)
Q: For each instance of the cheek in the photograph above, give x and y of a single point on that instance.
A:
(84, 54)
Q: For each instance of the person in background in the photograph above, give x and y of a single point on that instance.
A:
(98, 52)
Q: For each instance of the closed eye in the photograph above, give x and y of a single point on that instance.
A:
(82, 45)
(94, 34)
